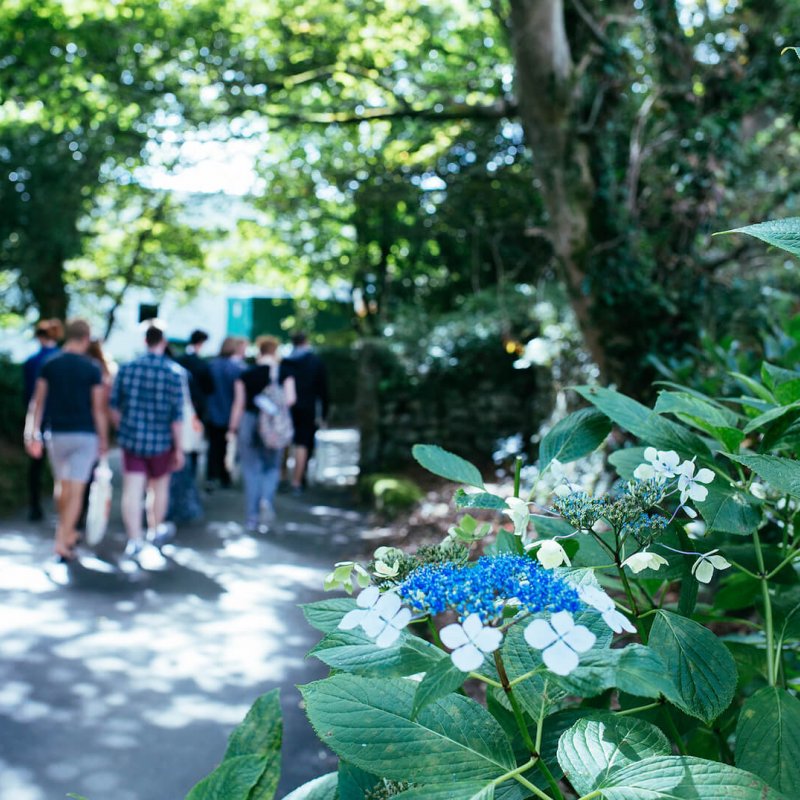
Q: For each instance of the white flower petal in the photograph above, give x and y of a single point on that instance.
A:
(704, 475)
(387, 637)
(368, 597)
(690, 512)
(488, 640)
(618, 622)
(372, 624)
(401, 618)
(718, 562)
(580, 639)
(703, 570)
(472, 626)
(562, 622)
(540, 634)
(644, 472)
(562, 490)
(467, 658)
(560, 659)
(687, 469)
(352, 619)
(388, 605)
(453, 636)
(697, 493)
(596, 598)
(669, 458)
(650, 454)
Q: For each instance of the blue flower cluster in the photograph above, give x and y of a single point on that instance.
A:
(485, 586)
(644, 527)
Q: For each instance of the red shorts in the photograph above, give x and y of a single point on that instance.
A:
(156, 466)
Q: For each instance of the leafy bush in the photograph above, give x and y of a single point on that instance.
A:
(390, 494)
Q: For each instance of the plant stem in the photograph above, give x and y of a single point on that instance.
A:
(532, 788)
(485, 679)
(523, 728)
(769, 631)
(435, 634)
(783, 563)
(524, 677)
(517, 474)
(636, 710)
(676, 734)
(632, 600)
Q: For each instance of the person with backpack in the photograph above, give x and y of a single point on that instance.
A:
(261, 422)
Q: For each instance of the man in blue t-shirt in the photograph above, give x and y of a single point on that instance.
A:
(48, 333)
(75, 430)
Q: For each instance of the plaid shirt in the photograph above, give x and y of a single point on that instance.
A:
(148, 393)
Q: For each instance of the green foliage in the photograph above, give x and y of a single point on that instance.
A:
(447, 465)
(573, 437)
(251, 766)
(390, 494)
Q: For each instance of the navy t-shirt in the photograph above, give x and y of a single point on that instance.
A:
(70, 378)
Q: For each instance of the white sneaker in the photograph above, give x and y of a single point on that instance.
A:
(163, 533)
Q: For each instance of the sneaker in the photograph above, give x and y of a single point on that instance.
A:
(133, 548)
(165, 532)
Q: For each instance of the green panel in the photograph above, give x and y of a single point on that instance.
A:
(268, 313)
(240, 317)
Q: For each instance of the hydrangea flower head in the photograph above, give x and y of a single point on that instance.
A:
(549, 553)
(486, 586)
(643, 560)
(662, 464)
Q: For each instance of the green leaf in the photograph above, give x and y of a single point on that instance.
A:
(441, 679)
(573, 437)
(447, 465)
(770, 416)
(233, 779)
(755, 388)
(726, 510)
(369, 723)
(506, 542)
(683, 778)
(782, 233)
(551, 526)
(640, 671)
(354, 783)
(649, 427)
(326, 615)
(466, 791)
(595, 747)
(682, 403)
(322, 788)
(260, 734)
(700, 665)
(353, 651)
(783, 474)
(768, 738)
(626, 460)
(479, 500)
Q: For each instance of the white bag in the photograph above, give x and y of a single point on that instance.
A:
(99, 504)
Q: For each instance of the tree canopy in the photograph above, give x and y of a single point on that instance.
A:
(420, 151)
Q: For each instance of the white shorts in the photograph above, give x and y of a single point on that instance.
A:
(73, 455)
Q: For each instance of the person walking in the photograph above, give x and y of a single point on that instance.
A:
(147, 409)
(70, 386)
(48, 333)
(260, 464)
(311, 385)
(225, 369)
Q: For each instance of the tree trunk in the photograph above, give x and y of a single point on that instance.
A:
(545, 93)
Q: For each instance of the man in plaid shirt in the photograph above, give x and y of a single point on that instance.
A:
(147, 408)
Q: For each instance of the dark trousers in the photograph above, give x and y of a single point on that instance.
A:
(35, 476)
(217, 447)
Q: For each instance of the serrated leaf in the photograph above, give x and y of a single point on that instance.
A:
(441, 679)
(260, 734)
(466, 791)
(783, 474)
(768, 738)
(479, 500)
(726, 510)
(701, 667)
(353, 651)
(323, 788)
(325, 615)
(649, 427)
(781, 233)
(770, 416)
(233, 779)
(369, 723)
(683, 778)
(573, 437)
(447, 465)
(595, 747)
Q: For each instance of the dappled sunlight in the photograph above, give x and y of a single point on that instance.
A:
(133, 663)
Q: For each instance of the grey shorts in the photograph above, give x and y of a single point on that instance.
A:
(73, 455)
